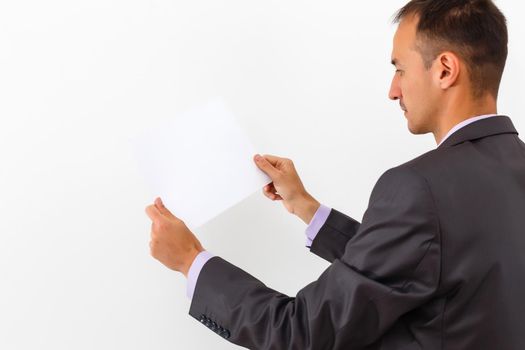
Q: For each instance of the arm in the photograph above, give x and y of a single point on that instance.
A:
(330, 241)
(391, 266)
(330, 237)
(328, 233)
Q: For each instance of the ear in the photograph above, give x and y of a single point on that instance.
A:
(447, 69)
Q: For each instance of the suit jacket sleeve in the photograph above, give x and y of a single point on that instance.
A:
(331, 240)
(389, 267)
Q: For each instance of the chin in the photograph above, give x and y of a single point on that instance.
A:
(414, 129)
(418, 129)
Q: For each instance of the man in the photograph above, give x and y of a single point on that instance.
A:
(438, 261)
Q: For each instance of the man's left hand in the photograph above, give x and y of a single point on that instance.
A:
(172, 243)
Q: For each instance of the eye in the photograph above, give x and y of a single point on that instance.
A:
(400, 72)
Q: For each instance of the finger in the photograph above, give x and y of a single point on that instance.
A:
(265, 166)
(268, 194)
(274, 160)
(153, 212)
(270, 188)
(161, 208)
(272, 194)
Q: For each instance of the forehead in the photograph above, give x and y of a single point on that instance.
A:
(405, 36)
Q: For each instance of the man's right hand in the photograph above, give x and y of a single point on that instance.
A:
(286, 186)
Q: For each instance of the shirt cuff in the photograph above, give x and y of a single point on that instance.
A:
(317, 222)
(195, 270)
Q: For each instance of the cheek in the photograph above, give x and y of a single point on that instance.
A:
(416, 87)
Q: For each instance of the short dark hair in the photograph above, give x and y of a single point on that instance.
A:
(475, 30)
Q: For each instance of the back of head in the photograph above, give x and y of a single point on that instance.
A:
(475, 30)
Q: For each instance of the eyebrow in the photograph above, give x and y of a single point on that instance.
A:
(394, 62)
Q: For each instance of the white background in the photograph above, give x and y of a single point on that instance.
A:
(307, 80)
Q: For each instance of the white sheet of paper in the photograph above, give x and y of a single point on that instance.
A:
(200, 163)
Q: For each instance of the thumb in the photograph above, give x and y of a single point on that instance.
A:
(153, 213)
(265, 166)
(161, 208)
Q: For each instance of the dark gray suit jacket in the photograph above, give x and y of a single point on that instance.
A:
(438, 261)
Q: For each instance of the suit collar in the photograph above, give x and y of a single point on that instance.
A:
(479, 129)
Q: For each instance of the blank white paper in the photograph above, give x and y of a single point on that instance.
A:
(200, 163)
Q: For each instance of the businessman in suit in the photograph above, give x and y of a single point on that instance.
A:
(438, 261)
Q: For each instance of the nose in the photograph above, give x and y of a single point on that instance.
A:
(395, 90)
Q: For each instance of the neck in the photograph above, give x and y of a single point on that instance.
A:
(460, 108)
